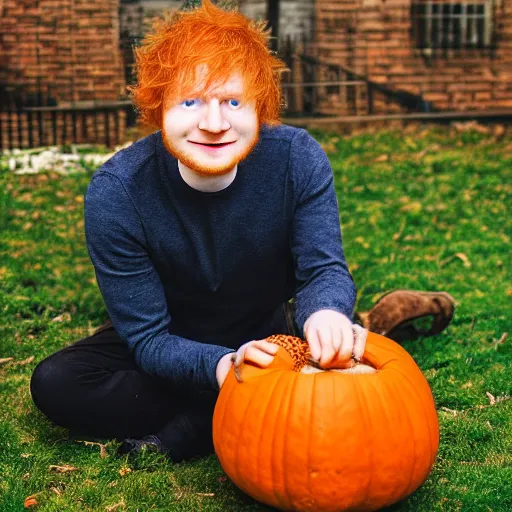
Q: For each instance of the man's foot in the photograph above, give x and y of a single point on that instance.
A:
(147, 444)
(187, 435)
(398, 314)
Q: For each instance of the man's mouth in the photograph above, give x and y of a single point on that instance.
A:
(213, 144)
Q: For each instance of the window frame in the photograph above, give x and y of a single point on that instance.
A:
(437, 26)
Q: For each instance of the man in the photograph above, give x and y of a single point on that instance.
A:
(199, 235)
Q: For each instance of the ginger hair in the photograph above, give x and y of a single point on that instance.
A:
(223, 43)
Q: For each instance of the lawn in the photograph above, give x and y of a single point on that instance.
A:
(421, 208)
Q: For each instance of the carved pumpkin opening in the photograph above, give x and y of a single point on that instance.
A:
(299, 351)
(359, 368)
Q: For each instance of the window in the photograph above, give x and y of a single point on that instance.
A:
(449, 24)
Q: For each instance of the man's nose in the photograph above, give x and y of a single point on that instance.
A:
(213, 120)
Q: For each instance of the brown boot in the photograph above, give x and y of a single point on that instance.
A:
(394, 313)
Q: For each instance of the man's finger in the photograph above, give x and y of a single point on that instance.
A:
(240, 356)
(347, 346)
(326, 344)
(266, 346)
(256, 356)
(314, 344)
(337, 338)
(360, 335)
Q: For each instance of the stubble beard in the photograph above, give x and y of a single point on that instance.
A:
(207, 170)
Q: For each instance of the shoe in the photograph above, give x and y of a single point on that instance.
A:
(395, 313)
(149, 444)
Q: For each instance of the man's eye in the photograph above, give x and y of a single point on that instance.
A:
(190, 103)
(234, 103)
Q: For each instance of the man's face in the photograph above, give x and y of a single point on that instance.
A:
(212, 133)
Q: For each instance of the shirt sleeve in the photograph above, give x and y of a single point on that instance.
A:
(133, 292)
(321, 272)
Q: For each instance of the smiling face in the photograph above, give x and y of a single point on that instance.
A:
(213, 131)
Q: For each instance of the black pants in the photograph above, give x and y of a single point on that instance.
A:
(94, 388)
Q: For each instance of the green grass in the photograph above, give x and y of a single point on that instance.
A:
(420, 208)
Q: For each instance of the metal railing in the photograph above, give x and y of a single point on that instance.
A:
(31, 120)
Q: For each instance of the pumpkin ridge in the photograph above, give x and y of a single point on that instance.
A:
(374, 449)
(421, 401)
(404, 491)
(414, 444)
(311, 424)
(285, 430)
(365, 417)
(271, 465)
(389, 424)
(225, 402)
(261, 430)
(274, 459)
(243, 428)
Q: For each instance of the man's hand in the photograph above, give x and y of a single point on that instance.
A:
(333, 339)
(259, 352)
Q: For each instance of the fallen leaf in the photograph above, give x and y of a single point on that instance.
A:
(464, 259)
(470, 126)
(491, 398)
(6, 360)
(413, 206)
(499, 130)
(30, 501)
(500, 341)
(26, 455)
(24, 362)
(396, 236)
(410, 143)
(64, 317)
(103, 449)
(205, 494)
(26, 476)
(382, 158)
(66, 468)
(117, 506)
(56, 491)
(124, 471)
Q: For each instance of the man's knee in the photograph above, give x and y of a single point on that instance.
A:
(49, 383)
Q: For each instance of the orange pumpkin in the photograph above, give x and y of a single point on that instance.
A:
(327, 441)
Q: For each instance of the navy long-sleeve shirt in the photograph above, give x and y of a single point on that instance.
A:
(188, 276)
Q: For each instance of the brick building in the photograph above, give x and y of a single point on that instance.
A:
(61, 52)
(437, 54)
(454, 54)
(70, 45)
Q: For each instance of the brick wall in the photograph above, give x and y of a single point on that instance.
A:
(373, 37)
(66, 51)
(72, 45)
